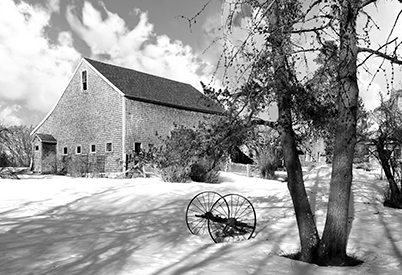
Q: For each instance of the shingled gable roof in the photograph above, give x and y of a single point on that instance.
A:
(46, 138)
(154, 89)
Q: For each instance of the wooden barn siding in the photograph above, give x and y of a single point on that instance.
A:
(147, 123)
(49, 161)
(37, 155)
(88, 117)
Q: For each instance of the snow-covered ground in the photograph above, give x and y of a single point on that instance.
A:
(61, 225)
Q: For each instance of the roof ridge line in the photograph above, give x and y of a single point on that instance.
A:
(135, 70)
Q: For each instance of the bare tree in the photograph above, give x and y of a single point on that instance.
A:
(387, 140)
(333, 243)
(272, 68)
(16, 145)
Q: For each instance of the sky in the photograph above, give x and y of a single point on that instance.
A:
(42, 42)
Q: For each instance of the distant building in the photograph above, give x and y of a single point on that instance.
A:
(313, 151)
(107, 113)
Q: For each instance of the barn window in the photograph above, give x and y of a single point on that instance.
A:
(109, 147)
(84, 78)
(137, 147)
(93, 148)
(37, 148)
(78, 150)
(65, 151)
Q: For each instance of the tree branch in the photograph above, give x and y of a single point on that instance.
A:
(366, 3)
(193, 20)
(382, 46)
(263, 122)
(392, 59)
(315, 29)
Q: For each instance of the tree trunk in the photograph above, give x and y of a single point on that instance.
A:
(308, 233)
(384, 160)
(332, 248)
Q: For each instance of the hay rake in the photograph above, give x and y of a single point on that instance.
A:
(227, 218)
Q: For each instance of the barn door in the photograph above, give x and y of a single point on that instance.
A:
(49, 157)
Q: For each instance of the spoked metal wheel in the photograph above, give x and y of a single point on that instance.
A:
(198, 210)
(235, 219)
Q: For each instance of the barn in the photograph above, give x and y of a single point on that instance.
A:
(108, 112)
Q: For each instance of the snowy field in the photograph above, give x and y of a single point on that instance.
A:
(65, 226)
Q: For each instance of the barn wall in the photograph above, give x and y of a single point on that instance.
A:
(95, 117)
(149, 123)
(83, 118)
(37, 155)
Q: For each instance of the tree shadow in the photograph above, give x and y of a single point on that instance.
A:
(318, 190)
(76, 238)
(381, 244)
(318, 194)
(391, 236)
(107, 232)
(268, 236)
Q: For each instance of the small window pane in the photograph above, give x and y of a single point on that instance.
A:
(84, 80)
(36, 148)
(93, 148)
(65, 151)
(137, 147)
(109, 147)
(78, 150)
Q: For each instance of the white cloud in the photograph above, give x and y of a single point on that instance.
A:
(33, 71)
(139, 48)
(369, 94)
(54, 5)
(9, 115)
